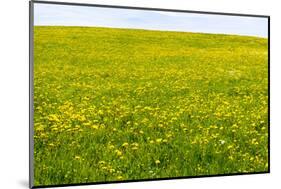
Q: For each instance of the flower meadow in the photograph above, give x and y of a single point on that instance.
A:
(123, 104)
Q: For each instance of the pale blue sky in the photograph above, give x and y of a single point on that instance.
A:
(68, 15)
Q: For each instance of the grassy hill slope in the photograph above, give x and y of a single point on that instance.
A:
(121, 104)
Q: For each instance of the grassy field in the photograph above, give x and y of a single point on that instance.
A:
(120, 104)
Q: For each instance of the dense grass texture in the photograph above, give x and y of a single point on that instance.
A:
(124, 104)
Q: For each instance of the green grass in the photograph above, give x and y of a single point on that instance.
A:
(120, 104)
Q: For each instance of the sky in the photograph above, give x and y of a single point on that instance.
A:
(69, 15)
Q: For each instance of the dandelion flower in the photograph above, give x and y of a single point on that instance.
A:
(159, 140)
(229, 147)
(118, 152)
(101, 162)
(135, 148)
(125, 144)
(51, 144)
(95, 126)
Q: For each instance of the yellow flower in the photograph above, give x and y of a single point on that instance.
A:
(39, 128)
(118, 152)
(160, 125)
(125, 144)
(100, 112)
(229, 147)
(254, 141)
(159, 140)
(135, 148)
(95, 126)
(101, 162)
(55, 129)
(135, 144)
(169, 135)
(119, 177)
(53, 117)
(87, 124)
(157, 161)
(86, 98)
(51, 144)
(104, 168)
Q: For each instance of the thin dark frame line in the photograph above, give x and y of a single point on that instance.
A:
(144, 180)
(147, 8)
(31, 100)
(268, 62)
(31, 51)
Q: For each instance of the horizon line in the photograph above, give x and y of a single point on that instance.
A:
(145, 29)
